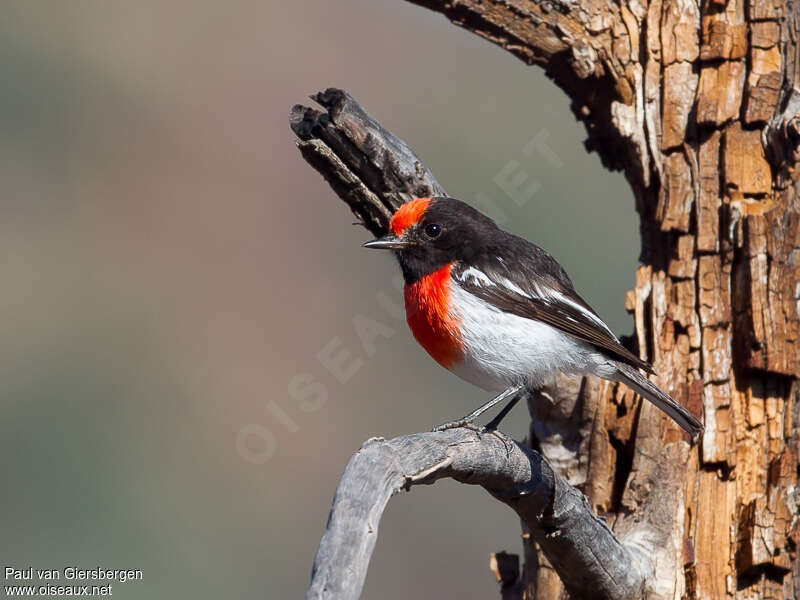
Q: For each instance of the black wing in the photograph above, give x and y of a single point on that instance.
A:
(542, 291)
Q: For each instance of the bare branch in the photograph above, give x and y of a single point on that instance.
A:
(369, 168)
(581, 547)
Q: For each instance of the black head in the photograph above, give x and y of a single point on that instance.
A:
(429, 233)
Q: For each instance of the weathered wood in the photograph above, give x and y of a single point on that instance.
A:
(719, 94)
(369, 168)
(592, 563)
(744, 162)
(724, 32)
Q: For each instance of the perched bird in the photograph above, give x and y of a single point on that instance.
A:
(500, 312)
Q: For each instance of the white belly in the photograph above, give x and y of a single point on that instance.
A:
(501, 349)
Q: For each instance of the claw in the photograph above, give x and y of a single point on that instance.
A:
(455, 424)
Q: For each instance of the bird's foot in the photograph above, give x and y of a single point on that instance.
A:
(468, 423)
(513, 392)
(488, 429)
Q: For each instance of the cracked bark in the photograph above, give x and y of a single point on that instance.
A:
(698, 105)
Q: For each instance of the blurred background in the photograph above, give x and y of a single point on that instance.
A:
(172, 272)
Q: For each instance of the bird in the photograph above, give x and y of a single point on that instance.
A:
(500, 312)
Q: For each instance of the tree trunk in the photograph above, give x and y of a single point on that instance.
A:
(698, 106)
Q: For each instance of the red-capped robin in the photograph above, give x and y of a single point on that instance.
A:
(500, 312)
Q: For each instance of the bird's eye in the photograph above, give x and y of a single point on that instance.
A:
(432, 230)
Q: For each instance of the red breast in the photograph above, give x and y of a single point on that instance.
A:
(430, 319)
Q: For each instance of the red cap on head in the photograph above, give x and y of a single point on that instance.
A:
(408, 214)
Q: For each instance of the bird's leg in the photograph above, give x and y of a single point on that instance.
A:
(495, 423)
(491, 426)
(512, 392)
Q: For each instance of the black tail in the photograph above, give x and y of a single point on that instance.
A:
(631, 377)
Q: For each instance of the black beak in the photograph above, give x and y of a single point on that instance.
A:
(387, 242)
